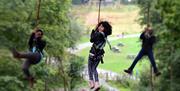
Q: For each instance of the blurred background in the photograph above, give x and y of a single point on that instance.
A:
(67, 25)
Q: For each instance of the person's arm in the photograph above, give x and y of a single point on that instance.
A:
(142, 36)
(153, 40)
(93, 36)
(101, 41)
(31, 40)
(41, 45)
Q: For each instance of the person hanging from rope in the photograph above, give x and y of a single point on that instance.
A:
(98, 38)
(148, 40)
(35, 54)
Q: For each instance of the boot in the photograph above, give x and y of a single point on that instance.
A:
(97, 86)
(91, 84)
(128, 71)
(31, 81)
(157, 73)
(15, 53)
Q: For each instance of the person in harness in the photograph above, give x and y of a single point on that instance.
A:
(148, 40)
(35, 54)
(98, 38)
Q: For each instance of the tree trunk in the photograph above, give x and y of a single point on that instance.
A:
(45, 81)
(62, 73)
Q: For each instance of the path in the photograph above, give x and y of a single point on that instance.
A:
(102, 79)
(82, 46)
(107, 75)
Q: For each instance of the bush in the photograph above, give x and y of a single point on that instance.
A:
(75, 70)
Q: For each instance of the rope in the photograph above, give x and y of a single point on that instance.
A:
(99, 15)
(99, 11)
(38, 12)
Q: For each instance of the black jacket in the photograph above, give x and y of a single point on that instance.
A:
(38, 43)
(147, 42)
(99, 41)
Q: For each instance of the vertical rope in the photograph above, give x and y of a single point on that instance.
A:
(151, 71)
(99, 14)
(148, 15)
(38, 12)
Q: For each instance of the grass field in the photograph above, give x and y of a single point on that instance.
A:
(122, 18)
(84, 39)
(118, 86)
(117, 62)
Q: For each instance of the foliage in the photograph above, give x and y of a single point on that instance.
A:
(75, 70)
(18, 19)
(166, 26)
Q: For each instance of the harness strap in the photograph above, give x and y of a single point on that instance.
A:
(106, 40)
(34, 49)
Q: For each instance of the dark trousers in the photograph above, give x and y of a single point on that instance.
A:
(92, 65)
(31, 58)
(150, 55)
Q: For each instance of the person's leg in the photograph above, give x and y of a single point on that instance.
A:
(90, 72)
(95, 73)
(90, 64)
(94, 68)
(28, 55)
(153, 63)
(25, 68)
(138, 57)
(34, 57)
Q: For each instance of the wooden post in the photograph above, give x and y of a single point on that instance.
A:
(148, 24)
(151, 80)
(107, 77)
(46, 79)
(171, 71)
(171, 78)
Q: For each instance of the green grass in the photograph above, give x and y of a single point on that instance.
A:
(84, 39)
(118, 86)
(117, 62)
